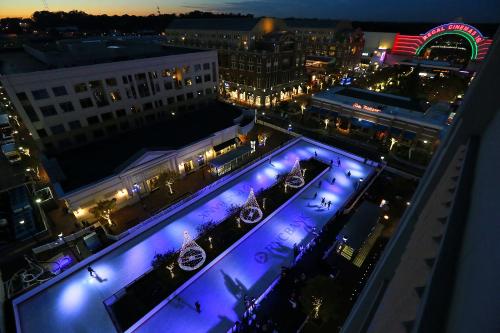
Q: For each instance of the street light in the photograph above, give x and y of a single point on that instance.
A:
(326, 122)
(38, 200)
(386, 217)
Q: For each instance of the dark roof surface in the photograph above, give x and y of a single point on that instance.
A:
(360, 224)
(384, 99)
(98, 160)
(76, 53)
(235, 24)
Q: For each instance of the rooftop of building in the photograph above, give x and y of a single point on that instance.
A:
(360, 224)
(216, 23)
(44, 55)
(93, 162)
(402, 107)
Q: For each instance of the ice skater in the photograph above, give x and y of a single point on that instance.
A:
(323, 201)
(319, 183)
(198, 306)
(315, 195)
(329, 204)
(348, 174)
(338, 161)
(315, 153)
(333, 180)
(91, 272)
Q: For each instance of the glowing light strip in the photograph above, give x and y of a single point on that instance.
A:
(467, 36)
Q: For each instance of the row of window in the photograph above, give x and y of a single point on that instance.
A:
(107, 116)
(124, 125)
(43, 93)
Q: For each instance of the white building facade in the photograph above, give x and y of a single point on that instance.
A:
(72, 105)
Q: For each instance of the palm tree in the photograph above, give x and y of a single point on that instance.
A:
(167, 178)
(103, 210)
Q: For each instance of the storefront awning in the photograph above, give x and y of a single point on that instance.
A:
(380, 127)
(395, 131)
(230, 156)
(362, 123)
(226, 144)
(409, 135)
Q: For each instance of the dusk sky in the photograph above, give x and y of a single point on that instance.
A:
(388, 10)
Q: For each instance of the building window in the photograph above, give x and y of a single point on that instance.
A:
(98, 133)
(30, 111)
(170, 100)
(106, 116)
(206, 65)
(80, 87)
(86, 103)
(258, 70)
(124, 79)
(166, 73)
(120, 113)
(111, 82)
(198, 79)
(115, 95)
(188, 82)
(59, 91)
(180, 98)
(93, 120)
(75, 124)
(81, 138)
(42, 133)
(66, 106)
(207, 78)
(208, 91)
(57, 129)
(64, 143)
(197, 67)
(40, 94)
(48, 110)
(168, 85)
(189, 95)
(147, 106)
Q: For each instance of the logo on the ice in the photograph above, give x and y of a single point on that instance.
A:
(261, 257)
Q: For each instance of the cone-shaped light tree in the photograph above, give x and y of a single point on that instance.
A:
(251, 212)
(192, 256)
(295, 179)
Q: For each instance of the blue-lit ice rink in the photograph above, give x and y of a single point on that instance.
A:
(73, 302)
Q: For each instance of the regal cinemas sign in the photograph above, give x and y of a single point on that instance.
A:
(450, 27)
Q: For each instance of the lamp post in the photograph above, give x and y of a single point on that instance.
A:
(326, 123)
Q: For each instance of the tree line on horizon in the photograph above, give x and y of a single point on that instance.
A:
(42, 20)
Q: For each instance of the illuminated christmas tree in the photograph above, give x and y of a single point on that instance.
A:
(251, 212)
(192, 256)
(295, 178)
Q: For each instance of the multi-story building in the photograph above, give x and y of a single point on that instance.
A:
(71, 92)
(335, 39)
(262, 61)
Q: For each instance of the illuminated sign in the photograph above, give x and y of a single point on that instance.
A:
(365, 107)
(414, 45)
(456, 27)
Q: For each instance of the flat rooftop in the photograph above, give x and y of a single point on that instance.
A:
(401, 107)
(360, 225)
(90, 163)
(45, 55)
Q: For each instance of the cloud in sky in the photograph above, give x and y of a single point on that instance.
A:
(390, 10)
